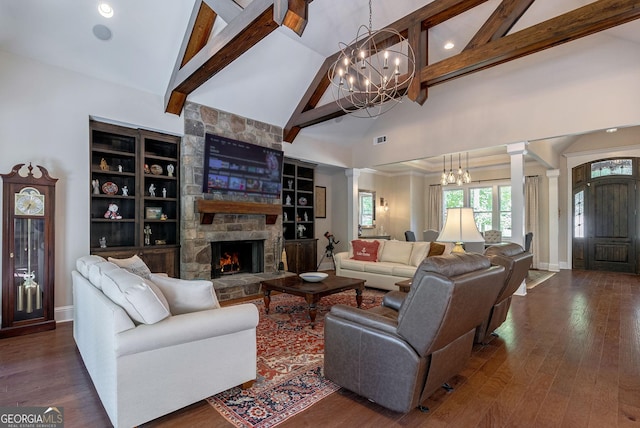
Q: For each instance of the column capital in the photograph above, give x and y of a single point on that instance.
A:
(553, 173)
(517, 148)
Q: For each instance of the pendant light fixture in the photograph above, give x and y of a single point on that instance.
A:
(459, 178)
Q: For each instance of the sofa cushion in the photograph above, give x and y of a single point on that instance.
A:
(382, 268)
(96, 271)
(418, 253)
(133, 264)
(365, 250)
(436, 249)
(186, 296)
(352, 264)
(404, 271)
(397, 251)
(84, 262)
(139, 297)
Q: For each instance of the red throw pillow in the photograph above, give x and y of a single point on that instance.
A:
(365, 250)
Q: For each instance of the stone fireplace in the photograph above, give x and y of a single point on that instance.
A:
(220, 221)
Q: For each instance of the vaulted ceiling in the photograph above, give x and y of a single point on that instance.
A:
(265, 59)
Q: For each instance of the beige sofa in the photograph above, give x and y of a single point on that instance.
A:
(396, 261)
(146, 362)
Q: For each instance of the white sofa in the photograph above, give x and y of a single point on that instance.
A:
(396, 261)
(143, 371)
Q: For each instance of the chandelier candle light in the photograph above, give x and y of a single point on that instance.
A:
(373, 72)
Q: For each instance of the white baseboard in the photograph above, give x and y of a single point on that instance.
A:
(63, 313)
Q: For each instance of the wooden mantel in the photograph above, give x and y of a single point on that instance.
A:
(209, 208)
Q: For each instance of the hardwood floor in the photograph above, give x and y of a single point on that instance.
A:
(568, 356)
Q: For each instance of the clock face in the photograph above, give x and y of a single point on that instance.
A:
(29, 201)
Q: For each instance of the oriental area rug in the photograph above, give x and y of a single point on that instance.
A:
(290, 362)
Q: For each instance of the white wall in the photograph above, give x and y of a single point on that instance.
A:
(44, 119)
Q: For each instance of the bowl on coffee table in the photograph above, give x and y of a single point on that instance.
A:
(313, 276)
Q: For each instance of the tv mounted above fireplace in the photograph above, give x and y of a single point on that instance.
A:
(237, 168)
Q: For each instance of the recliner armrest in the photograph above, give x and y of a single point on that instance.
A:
(394, 299)
(365, 318)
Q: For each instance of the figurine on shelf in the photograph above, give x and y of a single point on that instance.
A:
(288, 200)
(125, 191)
(163, 216)
(103, 242)
(112, 212)
(306, 216)
(170, 170)
(285, 216)
(147, 235)
(96, 187)
(146, 169)
(119, 168)
(301, 230)
(164, 192)
(103, 165)
(290, 183)
(152, 190)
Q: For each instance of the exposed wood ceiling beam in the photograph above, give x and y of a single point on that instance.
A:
(253, 24)
(500, 22)
(199, 33)
(592, 18)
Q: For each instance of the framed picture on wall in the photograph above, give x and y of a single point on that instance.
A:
(321, 202)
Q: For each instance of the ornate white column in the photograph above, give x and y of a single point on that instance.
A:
(352, 203)
(554, 263)
(517, 152)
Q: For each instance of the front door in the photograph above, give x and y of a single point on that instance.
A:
(611, 225)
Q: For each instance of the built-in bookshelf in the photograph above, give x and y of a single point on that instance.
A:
(298, 215)
(137, 171)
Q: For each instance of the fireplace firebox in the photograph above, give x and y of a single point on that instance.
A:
(233, 257)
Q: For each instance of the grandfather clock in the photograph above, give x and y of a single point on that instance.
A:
(27, 251)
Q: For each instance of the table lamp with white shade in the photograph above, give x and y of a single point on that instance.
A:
(460, 227)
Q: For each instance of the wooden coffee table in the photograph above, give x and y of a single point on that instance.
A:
(311, 291)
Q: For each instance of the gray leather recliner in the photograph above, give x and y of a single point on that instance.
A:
(516, 262)
(400, 353)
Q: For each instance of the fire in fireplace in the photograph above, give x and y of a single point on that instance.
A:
(230, 263)
(232, 257)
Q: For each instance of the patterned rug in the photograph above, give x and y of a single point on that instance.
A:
(537, 277)
(290, 362)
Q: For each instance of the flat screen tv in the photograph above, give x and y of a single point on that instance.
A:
(237, 168)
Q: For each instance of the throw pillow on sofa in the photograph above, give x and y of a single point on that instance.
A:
(365, 250)
(436, 249)
(139, 297)
(97, 271)
(186, 296)
(84, 262)
(133, 264)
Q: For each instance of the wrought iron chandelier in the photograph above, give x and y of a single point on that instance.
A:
(373, 72)
(459, 178)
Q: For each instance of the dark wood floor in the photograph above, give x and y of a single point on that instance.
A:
(568, 356)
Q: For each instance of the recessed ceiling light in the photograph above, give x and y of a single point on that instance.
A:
(610, 130)
(449, 45)
(102, 32)
(105, 9)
